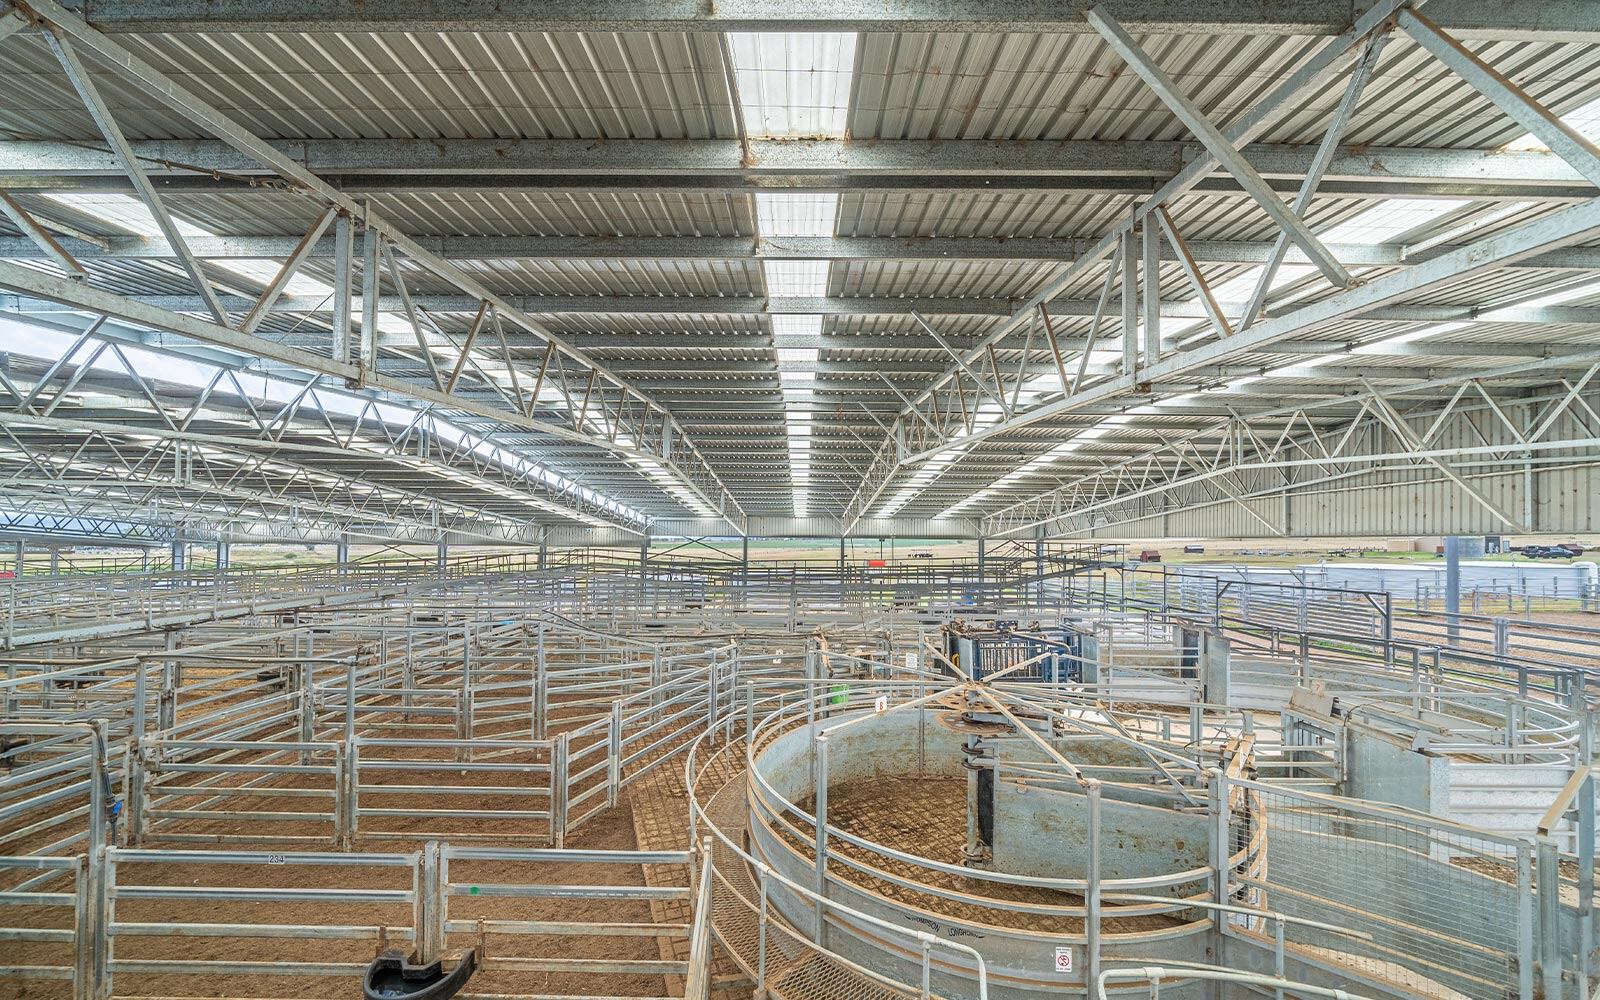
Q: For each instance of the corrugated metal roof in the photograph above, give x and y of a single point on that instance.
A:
(717, 367)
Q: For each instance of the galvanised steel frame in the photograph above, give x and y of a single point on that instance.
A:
(1473, 18)
(1473, 435)
(598, 408)
(448, 680)
(933, 426)
(558, 376)
(149, 442)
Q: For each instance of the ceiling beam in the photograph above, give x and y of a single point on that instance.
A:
(1536, 19)
(1571, 225)
(687, 467)
(734, 248)
(733, 305)
(717, 162)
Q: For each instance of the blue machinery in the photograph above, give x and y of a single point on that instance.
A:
(1057, 651)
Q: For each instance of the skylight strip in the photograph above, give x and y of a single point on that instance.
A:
(796, 214)
(794, 84)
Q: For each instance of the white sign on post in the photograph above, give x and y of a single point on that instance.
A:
(912, 660)
(880, 703)
(1063, 959)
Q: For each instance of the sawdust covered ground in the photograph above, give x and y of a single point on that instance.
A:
(926, 816)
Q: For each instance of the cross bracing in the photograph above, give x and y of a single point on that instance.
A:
(997, 250)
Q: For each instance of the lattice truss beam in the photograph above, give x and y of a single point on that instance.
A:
(93, 427)
(383, 329)
(1479, 432)
(977, 399)
(569, 399)
(71, 521)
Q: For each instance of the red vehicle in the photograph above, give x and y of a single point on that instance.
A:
(1150, 555)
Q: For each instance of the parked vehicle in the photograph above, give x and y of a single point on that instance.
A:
(1193, 550)
(1572, 547)
(1545, 552)
(1149, 555)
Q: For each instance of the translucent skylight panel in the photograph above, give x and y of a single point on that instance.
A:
(1582, 291)
(1239, 289)
(1584, 120)
(796, 325)
(796, 277)
(128, 212)
(263, 271)
(1393, 218)
(1435, 330)
(124, 211)
(794, 83)
(799, 214)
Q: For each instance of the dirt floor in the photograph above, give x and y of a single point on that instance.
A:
(374, 924)
(366, 928)
(926, 816)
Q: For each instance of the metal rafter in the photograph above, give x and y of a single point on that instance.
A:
(302, 430)
(1134, 167)
(1229, 462)
(1529, 19)
(896, 450)
(652, 434)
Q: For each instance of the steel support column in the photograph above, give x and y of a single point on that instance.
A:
(1150, 267)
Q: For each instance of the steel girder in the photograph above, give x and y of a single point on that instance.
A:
(614, 415)
(1132, 167)
(1556, 19)
(24, 517)
(220, 480)
(833, 305)
(1479, 430)
(932, 426)
(293, 427)
(831, 248)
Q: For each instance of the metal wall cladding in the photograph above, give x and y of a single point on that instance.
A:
(1402, 578)
(1518, 577)
(1559, 493)
(1565, 501)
